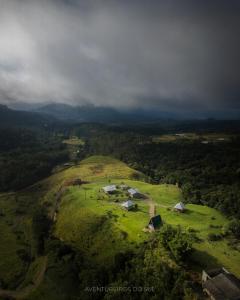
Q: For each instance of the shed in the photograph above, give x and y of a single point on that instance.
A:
(109, 189)
(128, 205)
(180, 207)
(220, 284)
(155, 222)
(134, 193)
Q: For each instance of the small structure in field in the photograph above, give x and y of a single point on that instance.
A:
(134, 193)
(123, 187)
(180, 207)
(155, 222)
(220, 284)
(128, 205)
(109, 189)
(73, 182)
(77, 181)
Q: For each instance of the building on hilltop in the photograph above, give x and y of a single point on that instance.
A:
(109, 189)
(128, 205)
(155, 222)
(180, 207)
(220, 284)
(134, 193)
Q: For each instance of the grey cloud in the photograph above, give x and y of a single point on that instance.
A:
(170, 55)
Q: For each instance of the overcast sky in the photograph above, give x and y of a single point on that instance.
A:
(172, 55)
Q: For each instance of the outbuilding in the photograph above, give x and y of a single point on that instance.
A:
(155, 222)
(220, 284)
(128, 205)
(180, 207)
(134, 193)
(110, 189)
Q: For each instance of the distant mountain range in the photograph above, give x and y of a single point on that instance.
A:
(15, 118)
(47, 115)
(111, 115)
(57, 115)
(90, 113)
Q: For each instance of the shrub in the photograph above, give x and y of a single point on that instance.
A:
(179, 243)
(234, 228)
(214, 237)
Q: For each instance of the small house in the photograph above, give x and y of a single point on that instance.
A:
(134, 193)
(109, 189)
(180, 207)
(123, 187)
(220, 284)
(155, 222)
(128, 205)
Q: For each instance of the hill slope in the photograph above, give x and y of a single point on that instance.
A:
(96, 226)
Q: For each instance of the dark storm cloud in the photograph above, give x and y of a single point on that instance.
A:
(174, 55)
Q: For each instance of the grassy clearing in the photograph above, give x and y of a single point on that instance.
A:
(75, 141)
(210, 137)
(202, 219)
(83, 207)
(100, 228)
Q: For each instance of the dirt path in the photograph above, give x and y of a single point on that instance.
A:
(164, 206)
(23, 293)
(152, 208)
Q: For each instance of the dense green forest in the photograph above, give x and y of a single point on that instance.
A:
(27, 156)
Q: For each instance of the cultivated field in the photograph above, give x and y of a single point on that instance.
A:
(206, 137)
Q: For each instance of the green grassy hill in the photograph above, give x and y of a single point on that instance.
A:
(96, 225)
(82, 212)
(16, 211)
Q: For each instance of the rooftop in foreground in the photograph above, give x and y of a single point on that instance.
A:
(220, 284)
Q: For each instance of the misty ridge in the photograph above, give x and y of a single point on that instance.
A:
(177, 59)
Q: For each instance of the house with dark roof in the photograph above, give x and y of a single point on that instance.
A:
(155, 222)
(220, 284)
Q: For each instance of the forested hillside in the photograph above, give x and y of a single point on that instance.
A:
(208, 173)
(27, 156)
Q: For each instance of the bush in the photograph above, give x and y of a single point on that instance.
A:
(41, 226)
(234, 228)
(179, 243)
(214, 237)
